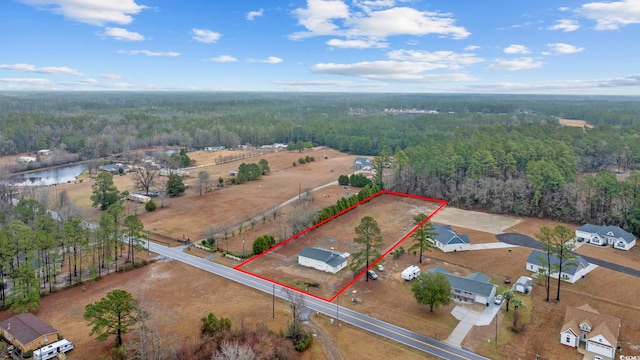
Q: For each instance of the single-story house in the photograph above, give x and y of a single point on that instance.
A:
(214, 148)
(474, 288)
(322, 259)
(598, 332)
(27, 159)
(571, 273)
(115, 168)
(606, 235)
(360, 163)
(448, 241)
(523, 285)
(45, 152)
(28, 332)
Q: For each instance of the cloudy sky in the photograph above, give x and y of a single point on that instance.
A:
(497, 46)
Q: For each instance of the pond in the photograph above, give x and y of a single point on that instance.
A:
(51, 176)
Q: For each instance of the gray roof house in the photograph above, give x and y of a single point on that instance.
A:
(606, 235)
(571, 273)
(28, 332)
(322, 259)
(472, 288)
(361, 162)
(448, 240)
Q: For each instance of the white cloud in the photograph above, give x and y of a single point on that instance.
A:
(318, 18)
(123, 34)
(471, 48)
(612, 15)
(390, 70)
(95, 12)
(562, 48)
(41, 70)
(205, 36)
(404, 21)
(565, 25)
(149, 53)
(443, 59)
(356, 44)
(26, 81)
(271, 60)
(251, 15)
(371, 5)
(224, 59)
(515, 64)
(111, 76)
(561, 85)
(516, 49)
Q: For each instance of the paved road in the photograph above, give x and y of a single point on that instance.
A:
(527, 241)
(384, 329)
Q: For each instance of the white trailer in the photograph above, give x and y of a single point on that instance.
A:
(140, 198)
(52, 350)
(410, 273)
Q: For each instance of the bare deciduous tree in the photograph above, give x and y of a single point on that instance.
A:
(144, 177)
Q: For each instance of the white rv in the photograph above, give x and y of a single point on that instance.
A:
(52, 350)
(411, 272)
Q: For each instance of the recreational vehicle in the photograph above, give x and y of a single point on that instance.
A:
(52, 350)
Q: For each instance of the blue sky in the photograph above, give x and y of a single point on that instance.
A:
(497, 46)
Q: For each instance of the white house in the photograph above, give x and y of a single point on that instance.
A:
(27, 159)
(448, 241)
(571, 272)
(474, 288)
(606, 235)
(322, 259)
(598, 332)
(45, 152)
(361, 162)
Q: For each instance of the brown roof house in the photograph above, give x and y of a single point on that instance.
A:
(27, 332)
(598, 332)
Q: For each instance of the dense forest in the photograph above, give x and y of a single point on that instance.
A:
(499, 153)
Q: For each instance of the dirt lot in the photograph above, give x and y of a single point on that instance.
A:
(394, 215)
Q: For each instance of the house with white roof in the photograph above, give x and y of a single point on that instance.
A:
(322, 259)
(474, 288)
(598, 332)
(448, 240)
(574, 269)
(606, 235)
(360, 163)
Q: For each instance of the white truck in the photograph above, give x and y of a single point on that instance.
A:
(410, 273)
(52, 350)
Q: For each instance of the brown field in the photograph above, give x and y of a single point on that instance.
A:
(394, 215)
(574, 123)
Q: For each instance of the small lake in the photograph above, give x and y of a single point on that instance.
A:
(53, 176)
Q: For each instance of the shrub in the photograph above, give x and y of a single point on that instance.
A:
(302, 161)
(27, 354)
(294, 163)
(150, 206)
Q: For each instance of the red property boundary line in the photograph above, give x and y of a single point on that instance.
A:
(443, 203)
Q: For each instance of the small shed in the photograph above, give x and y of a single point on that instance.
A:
(28, 332)
(45, 152)
(523, 285)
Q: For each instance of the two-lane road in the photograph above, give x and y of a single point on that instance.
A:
(348, 316)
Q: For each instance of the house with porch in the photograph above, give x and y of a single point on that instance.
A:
(474, 288)
(574, 269)
(322, 259)
(361, 163)
(28, 332)
(606, 235)
(448, 240)
(598, 332)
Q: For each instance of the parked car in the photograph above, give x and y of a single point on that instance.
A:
(498, 300)
(380, 268)
(372, 275)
